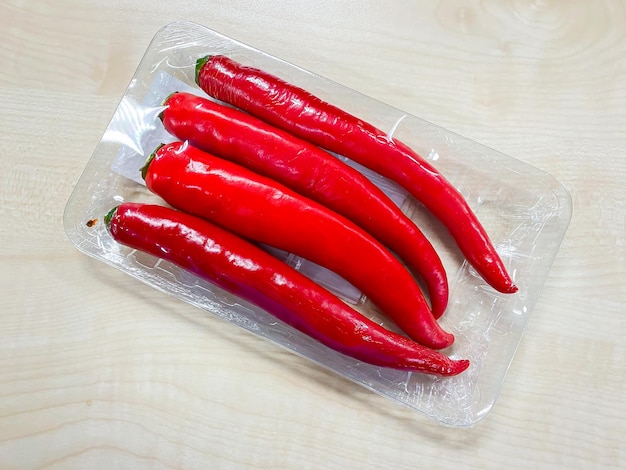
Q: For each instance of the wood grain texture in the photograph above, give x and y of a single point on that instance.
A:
(98, 372)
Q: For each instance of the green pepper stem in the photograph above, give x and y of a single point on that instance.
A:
(109, 216)
(144, 168)
(199, 65)
(164, 103)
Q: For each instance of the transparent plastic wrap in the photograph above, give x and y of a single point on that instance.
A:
(525, 211)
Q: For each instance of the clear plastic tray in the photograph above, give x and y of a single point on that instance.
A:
(525, 211)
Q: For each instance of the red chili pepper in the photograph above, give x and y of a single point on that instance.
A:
(259, 209)
(307, 116)
(305, 168)
(245, 270)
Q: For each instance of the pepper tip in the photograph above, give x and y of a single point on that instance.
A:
(460, 365)
(510, 288)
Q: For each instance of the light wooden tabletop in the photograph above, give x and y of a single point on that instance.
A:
(98, 371)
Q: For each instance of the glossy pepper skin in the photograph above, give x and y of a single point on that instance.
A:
(245, 270)
(305, 168)
(308, 117)
(261, 210)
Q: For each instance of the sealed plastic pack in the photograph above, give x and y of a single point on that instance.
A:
(524, 210)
